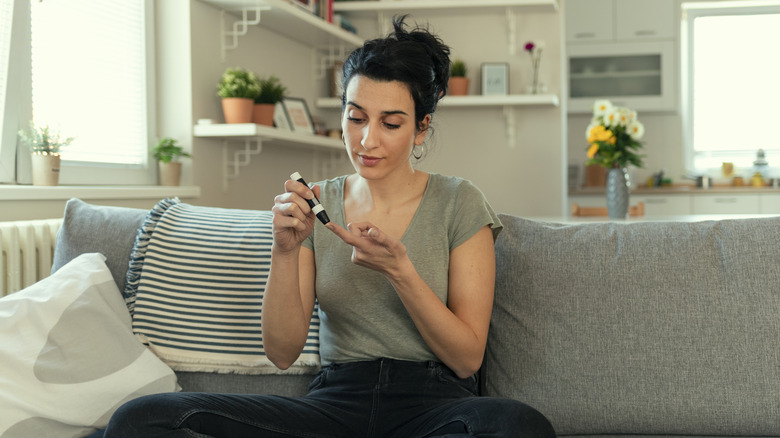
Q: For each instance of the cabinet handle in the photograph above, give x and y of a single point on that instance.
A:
(644, 33)
(585, 35)
(655, 201)
(725, 200)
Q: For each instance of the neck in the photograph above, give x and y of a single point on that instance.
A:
(389, 192)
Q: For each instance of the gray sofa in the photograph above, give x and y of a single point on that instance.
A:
(610, 329)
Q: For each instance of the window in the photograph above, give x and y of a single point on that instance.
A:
(731, 86)
(6, 154)
(91, 71)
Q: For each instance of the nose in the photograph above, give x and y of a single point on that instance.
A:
(370, 137)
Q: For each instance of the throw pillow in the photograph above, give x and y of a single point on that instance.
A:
(68, 357)
(195, 288)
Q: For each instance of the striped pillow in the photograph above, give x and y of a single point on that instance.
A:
(195, 289)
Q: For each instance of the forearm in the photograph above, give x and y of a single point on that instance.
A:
(284, 320)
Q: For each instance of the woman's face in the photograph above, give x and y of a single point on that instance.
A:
(379, 127)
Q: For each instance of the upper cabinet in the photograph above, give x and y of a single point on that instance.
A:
(591, 21)
(622, 50)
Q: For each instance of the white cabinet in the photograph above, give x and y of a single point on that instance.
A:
(624, 51)
(644, 19)
(770, 203)
(589, 21)
(660, 205)
(727, 204)
(640, 76)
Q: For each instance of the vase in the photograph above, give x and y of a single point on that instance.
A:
(263, 114)
(45, 169)
(170, 173)
(458, 86)
(617, 193)
(237, 109)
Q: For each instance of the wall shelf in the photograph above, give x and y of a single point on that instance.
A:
(471, 101)
(253, 137)
(368, 8)
(288, 20)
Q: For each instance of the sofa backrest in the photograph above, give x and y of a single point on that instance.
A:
(640, 328)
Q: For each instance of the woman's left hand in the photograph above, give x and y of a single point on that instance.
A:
(372, 248)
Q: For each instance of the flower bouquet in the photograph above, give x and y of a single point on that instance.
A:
(613, 136)
(535, 52)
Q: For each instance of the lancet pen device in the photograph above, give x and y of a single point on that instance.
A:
(314, 203)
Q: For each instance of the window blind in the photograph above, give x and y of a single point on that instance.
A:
(89, 77)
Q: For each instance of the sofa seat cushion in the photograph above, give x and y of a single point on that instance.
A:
(640, 328)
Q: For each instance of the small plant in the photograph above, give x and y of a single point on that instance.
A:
(458, 69)
(237, 82)
(43, 140)
(167, 150)
(271, 91)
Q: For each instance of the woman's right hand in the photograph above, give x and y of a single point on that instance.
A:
(293, 219)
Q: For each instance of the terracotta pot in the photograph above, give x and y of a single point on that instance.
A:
(45, 170)
(263, 114)
(237, 109)
(458, 86)
(170, 173)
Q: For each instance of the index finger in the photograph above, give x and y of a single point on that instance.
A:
(343, 233)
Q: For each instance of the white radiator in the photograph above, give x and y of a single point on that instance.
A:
(26, 251)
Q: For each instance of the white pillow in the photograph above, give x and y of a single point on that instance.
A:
(68, 357)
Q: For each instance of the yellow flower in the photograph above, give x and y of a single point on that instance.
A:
(592, 150)
(600, 133)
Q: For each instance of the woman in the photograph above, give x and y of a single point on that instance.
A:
(404, 276)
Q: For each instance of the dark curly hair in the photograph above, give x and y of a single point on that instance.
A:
(415, 57)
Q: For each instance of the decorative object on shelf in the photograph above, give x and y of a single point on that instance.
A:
(271, 92)
(45, 145)
(238, 89)
(336, 75)
(535, 51)
(495, 79)
(298, 114)
(613, 138)
(167, 153)
(458, 84)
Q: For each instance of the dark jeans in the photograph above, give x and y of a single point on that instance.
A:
(383, 398)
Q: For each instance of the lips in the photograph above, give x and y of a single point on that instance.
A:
(368, 160)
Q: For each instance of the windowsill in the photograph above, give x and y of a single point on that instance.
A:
(38, 193)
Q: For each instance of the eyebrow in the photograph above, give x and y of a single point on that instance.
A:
(383, 112)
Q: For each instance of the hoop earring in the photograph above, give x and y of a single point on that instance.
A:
(422, 151)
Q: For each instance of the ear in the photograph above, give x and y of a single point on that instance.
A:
(422, 130)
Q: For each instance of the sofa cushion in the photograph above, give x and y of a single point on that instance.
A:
(89, 228)
(640, 328)
(68, 358)
(196, 283)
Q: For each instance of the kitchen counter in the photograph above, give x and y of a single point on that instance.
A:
(683, 189)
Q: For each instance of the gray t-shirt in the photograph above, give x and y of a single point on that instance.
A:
(361, 316)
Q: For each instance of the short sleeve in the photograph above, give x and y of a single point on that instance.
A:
(472, 212)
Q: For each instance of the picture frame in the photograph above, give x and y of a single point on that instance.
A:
(281, 121)
(297, 113)
(495, 79)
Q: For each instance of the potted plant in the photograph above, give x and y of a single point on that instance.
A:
(167, 153)
(238, 88)
(458, 83)
(45, 145)
(271, 92)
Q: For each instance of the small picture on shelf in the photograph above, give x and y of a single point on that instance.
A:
(298, 114)
(309, 5)
(281, 121)
(495, 79)
(335, 79)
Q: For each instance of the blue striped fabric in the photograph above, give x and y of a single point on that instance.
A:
(195, 289)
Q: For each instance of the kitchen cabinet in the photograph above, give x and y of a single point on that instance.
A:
(726, 203)
(660, 205)
(770, 202)
(589, 21)
(624, 51)
(640, 76)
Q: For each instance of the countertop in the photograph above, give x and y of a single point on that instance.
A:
(681, 189)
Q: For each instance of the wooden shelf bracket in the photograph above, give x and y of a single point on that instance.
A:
(241, 158)
(239, 28)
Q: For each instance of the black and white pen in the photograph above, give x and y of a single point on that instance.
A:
(314, 203)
